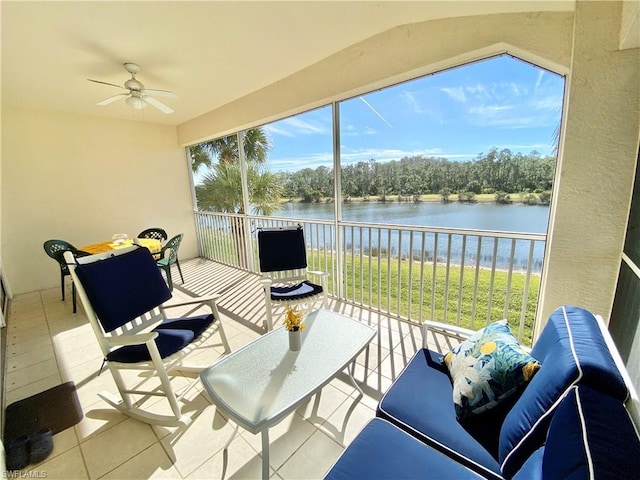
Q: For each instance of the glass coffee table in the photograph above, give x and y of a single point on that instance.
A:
(260, 384)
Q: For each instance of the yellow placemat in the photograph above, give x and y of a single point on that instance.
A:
(152, 244)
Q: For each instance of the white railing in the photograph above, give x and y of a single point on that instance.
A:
(460, 277)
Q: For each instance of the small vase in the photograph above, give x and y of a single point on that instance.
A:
(294, 340)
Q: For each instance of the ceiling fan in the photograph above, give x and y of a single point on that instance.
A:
(137, 96)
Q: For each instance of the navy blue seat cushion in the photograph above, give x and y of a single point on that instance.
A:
(382, 451)
(295, 292)
(168, 341)
(123, 287)
(571, 350)
(197, 324)
(420, 402)
(591, 436)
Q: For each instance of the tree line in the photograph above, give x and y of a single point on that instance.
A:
(496, 172)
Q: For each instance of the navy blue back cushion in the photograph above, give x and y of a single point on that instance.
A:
(123, 287)
(571, 350)
(591, 436)
(282, 250)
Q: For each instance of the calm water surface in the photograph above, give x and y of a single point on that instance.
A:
(506, 218)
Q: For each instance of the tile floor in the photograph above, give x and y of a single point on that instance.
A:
(47, 345)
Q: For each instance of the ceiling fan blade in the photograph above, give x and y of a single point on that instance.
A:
(158, 104)
(106, 83)
(112, 99)
(159, 93)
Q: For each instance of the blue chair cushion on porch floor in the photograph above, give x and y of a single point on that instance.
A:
(169, 341)
(420, 402)
(383, 451)
(197, 324)
(295, 292)
(571, 350)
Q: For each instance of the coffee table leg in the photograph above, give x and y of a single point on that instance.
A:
(353, 382)
(265, 454)
(225, 451)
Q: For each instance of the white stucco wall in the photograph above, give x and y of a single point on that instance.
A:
(82, 179)
(597, 164)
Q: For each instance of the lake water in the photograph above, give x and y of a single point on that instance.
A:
(503, 218)
(479, 216)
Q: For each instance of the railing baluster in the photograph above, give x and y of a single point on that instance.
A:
(389, 271)
(379, 269)
(491, 282)
(399, 286)
(361, 268)
(410, 282)
(433, 279)
(507, 293)
(370, 268)
(421, 295)
(475, 283)
(525, 293)
(446, 279)
(461, 284)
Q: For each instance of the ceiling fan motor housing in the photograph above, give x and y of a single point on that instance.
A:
(133, 84)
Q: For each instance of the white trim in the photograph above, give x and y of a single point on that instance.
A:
(615, 354)
(631, 264)
(585, 440)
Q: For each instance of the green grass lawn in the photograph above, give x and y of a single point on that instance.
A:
(385, 286)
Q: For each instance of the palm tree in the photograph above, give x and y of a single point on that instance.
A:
(221, 187)
(225, 149)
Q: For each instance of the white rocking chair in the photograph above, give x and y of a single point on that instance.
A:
(122, 293)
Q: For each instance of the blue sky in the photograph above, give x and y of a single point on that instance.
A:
(456, 114)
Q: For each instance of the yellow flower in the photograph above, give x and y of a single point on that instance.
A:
(293, 319)
(488, 348)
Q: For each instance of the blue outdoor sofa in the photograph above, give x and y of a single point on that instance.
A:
(569, 422)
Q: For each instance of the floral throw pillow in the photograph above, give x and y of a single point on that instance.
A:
(487, 368)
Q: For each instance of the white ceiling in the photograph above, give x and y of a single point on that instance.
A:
(208, 53)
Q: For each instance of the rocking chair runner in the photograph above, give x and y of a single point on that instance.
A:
(283, 263)
(122, 293)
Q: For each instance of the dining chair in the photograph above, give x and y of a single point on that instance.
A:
(55, 249)
(168, 256)
(285, 278)
(154, 232)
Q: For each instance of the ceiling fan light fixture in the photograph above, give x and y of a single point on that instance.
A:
(135, 102)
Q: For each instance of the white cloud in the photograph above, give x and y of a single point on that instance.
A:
(457, 93)
(353, 131)
(490, 110)
(539, 79)
(294, 126)
(276, 130)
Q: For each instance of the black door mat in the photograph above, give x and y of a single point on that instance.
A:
(57, 408)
